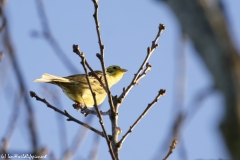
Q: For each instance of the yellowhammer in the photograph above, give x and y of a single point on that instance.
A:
(77, 89)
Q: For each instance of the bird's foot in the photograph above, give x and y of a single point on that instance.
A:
(84, 111)
(77, 106)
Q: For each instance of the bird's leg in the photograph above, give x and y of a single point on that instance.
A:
(85, 106)
(77, 106)
(83, 110)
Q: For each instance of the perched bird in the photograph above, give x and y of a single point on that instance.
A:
(77, 89)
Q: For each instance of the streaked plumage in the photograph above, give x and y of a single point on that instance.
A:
(76, 86)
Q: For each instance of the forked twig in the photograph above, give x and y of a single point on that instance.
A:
(76, 50)
(144, 73)
(160, 93)
(138, 76)
(65, 113)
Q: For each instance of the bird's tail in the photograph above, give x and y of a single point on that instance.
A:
(48, 78)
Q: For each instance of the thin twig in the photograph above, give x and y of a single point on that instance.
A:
(101, 55)
(65, 113)
(162, 92)
(76, 50)
(184, 117)
(114, 109)
(83, 62)
(144, 73)
(138, 76)
(171, 148)
(87, 111)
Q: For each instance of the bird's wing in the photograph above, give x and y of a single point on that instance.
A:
(82, 78)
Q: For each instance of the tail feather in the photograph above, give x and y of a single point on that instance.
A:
(50, 78)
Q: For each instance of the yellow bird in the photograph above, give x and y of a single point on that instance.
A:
(77, 89)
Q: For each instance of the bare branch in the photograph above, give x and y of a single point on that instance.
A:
(83, 62)
(76, 50)
(138, 76)
(171, 148)
(160, 93)
(65, 113)
(161, 27)
(144, 73)
(87, 111)
(101, 55)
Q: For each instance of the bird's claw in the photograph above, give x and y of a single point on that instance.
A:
(77, 106)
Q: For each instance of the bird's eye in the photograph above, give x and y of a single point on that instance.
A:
(114, 68)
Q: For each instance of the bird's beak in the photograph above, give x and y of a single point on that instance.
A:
(124, 70)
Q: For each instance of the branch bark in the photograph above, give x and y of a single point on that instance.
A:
(65, 113)
(160, 93)
(83, 62)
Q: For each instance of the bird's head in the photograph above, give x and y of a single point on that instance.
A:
(115, 72)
